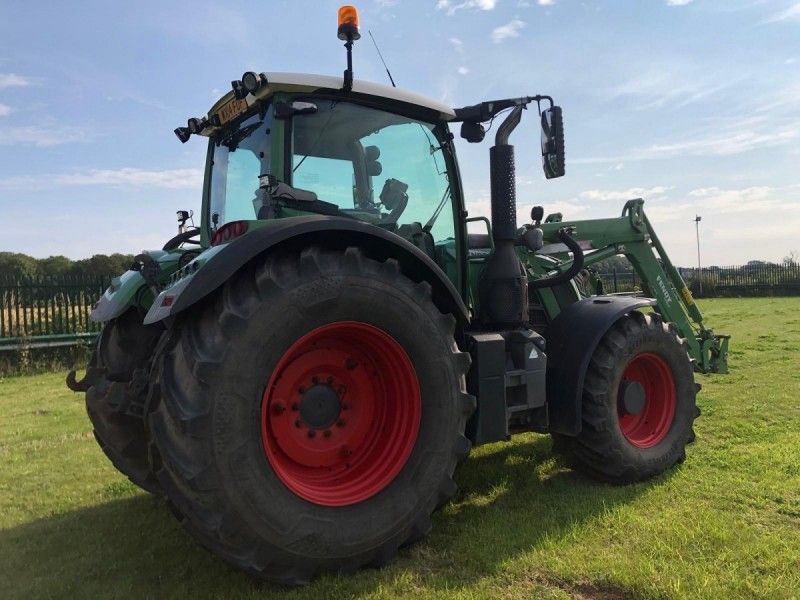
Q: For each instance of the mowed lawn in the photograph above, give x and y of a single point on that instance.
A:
(724, 524)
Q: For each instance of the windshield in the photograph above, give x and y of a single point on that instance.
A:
(374, 165)
(239, 157)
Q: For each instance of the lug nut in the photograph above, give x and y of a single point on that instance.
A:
(340, 423)
(345, 406)
(330, 380)
(298, 424)
(295, 406)
(345, 451)
(351, 364)
(315, 380)
(301, 389)
(311, 433)
(278, 408)
(327, 433)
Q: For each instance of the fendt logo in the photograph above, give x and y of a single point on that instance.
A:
(664, 289)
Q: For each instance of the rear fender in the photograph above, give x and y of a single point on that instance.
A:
(572, 338)
(220, 263)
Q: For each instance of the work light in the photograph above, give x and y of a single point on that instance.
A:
(253, 82)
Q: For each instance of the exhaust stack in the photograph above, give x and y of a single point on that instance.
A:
(503, 289)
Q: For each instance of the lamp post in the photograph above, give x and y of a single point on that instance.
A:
(697, 220)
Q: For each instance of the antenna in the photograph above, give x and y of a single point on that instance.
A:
(394, 85)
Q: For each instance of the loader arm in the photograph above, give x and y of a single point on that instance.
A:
(632, 236)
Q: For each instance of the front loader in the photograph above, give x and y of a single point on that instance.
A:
(301, 374)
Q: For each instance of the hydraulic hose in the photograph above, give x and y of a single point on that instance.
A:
(577, 264)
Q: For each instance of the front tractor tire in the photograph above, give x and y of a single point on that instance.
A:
(312, 414)
(116, 383)
(638, 406)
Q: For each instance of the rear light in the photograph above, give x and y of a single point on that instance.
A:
(228, 232)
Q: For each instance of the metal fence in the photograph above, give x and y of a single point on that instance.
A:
(48, 311)
(54, 311)
(755, 279)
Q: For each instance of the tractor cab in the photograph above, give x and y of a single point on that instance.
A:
(300, 146)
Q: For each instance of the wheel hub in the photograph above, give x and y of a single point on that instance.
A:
(646, 400)
(320, 406)
(341, 413)
(631, 397)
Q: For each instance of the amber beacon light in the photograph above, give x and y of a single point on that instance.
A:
(348, 23)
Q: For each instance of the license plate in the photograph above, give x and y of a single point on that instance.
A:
(231, 110)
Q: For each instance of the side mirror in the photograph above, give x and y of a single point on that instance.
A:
(553, 142)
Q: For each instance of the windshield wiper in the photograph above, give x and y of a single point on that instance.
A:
(232, 141)
(429, 225)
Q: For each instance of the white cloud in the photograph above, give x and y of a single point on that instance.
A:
(653, 193)
(462, 70)
(42, 136)
(754, 198)
(545, 2)
(678, 2)
(791, 13)
(509, 30)
(5, 110)
(169, 178)
(457, 44)
(450, 8)
(719, 139)
(12, 80)
(666, 84)
(131, 177)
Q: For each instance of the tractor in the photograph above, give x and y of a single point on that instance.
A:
(300, 375)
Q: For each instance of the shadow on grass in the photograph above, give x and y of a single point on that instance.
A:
(514, 498)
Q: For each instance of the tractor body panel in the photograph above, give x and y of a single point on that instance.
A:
(131, 289)
(219, 263)
(571, 340)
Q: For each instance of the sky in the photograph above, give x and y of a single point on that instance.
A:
(693, 105)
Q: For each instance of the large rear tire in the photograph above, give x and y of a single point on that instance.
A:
(312, 414)
(120, 368)
(638, 404)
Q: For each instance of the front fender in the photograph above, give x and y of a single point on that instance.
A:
(572, 338)
(117, 297)
(220, 263)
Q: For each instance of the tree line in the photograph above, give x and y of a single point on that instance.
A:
(14, 265)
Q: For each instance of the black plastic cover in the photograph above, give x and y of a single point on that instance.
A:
(571, 340)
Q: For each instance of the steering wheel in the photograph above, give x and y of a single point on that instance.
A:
(191, 236)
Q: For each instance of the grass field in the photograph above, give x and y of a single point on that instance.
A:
(724, 524)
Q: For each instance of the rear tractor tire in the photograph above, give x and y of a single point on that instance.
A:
(311, 415)
(638, 405)
(116, 382)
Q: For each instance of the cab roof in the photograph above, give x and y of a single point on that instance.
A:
(307, 82)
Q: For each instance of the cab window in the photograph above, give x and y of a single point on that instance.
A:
(377, 166)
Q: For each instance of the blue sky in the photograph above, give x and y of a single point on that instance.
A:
(692, 104)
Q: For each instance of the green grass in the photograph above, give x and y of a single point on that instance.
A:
(724, 524)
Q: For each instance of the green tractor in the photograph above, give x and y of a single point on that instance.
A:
(301, 374)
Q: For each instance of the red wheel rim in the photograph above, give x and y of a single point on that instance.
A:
(341, 413)
(652, 423)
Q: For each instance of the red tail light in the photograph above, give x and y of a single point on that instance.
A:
(228, 232)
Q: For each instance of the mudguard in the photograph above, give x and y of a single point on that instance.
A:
(123, 291)
(117, 297)
(572, 338)
(220, 263)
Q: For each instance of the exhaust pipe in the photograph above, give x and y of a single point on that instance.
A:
(503, 289)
